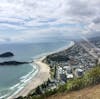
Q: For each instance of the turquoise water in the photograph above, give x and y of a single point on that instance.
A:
(13, 78)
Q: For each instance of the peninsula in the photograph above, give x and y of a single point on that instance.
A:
(12, 63)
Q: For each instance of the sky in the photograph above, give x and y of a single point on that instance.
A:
(31, 20)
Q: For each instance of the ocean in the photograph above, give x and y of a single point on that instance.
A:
(14, 78)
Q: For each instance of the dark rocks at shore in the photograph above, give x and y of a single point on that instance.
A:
(7, 54)
(12, 63)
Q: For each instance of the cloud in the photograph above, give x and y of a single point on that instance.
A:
(81, 8)
(29, 19)
(96, 20)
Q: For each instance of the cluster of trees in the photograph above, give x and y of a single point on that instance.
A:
(57, 58)
(92, 77)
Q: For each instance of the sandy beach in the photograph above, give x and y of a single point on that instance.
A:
(42, 75)
(39, 78)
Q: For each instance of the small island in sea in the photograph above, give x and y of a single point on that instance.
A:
(6, 54)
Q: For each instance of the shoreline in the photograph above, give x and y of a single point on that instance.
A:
(42, 75)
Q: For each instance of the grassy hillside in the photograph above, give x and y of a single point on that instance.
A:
(92, 92)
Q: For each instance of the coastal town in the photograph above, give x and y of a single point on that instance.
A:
(69, 64)
(49, 49)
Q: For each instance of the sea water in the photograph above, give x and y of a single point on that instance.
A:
(14, 78)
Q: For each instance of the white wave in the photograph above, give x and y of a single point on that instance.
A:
(19, 89)
(13, 87)
(30, 73)
(3, 97)
(23, 77)
(23, 82)
(29, 77)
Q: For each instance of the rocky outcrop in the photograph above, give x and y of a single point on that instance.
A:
(7, 54)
